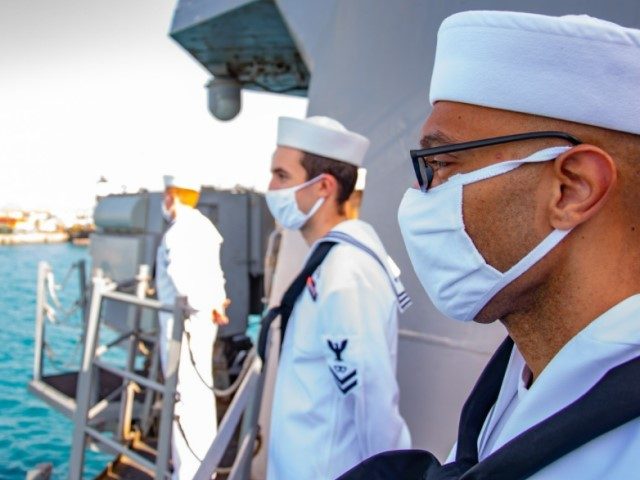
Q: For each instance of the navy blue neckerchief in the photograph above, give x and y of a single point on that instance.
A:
(613, 401)
(290, 296)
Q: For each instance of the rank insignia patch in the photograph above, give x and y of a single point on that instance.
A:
(344, 374)
(346, 377)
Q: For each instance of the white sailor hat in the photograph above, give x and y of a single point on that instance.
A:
(181, 182)
(322, 136)
(576, 68)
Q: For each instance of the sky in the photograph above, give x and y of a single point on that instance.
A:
(92, 88)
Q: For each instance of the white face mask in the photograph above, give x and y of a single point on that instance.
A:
(452, 271)
(284, 207)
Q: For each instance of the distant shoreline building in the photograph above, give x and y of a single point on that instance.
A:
(27, 227)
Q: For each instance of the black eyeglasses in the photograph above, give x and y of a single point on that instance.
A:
(423, 159)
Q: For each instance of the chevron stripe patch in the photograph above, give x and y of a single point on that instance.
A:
(346, 377)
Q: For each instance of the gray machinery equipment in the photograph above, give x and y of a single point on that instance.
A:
(130, 228)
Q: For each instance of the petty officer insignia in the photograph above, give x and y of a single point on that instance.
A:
(344, 374)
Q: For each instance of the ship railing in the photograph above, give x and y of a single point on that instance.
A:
(60, 388)
(242, 411)
(92, 362)
(45, 308)
(90, 413)
(243, 408)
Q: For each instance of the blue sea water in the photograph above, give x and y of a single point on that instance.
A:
(30, 431)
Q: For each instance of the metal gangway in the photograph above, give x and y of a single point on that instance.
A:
(140, 394)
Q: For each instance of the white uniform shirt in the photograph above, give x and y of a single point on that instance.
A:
(610, 340)
(188, 263)
(336, 395)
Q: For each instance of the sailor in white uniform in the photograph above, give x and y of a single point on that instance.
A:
(188, 263)
(538, 227)
(336, 394)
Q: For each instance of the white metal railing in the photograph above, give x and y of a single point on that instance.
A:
(242, 411)
(244, 406)
(92, 363)
(48, 306)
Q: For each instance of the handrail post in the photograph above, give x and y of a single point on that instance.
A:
(83, 390)
(82, 287)
(43, 270)
(180, 313)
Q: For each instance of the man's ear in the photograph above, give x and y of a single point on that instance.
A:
(328, 185)
(583, 177)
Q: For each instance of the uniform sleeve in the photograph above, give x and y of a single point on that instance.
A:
(361, 361)
(215, 287)
(193, 264)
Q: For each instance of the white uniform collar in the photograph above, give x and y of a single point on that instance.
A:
(361, 231)
(362, 235)
(615, 325)
(609, 340)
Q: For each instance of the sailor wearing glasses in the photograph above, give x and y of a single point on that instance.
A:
(336, 396)
(188, 263)
(528, 212)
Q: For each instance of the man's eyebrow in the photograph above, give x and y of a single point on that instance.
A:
(436, 139)
(279, 170)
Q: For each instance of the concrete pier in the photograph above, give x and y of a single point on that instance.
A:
(32, 237)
